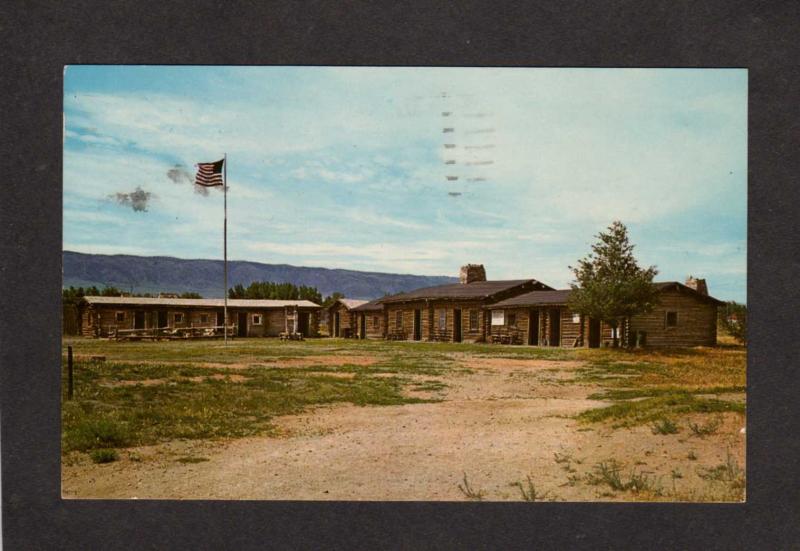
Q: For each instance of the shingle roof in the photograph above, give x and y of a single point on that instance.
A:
(561, 296)
(371, 306)
(474, 290)
(199, 302)
(535, 298)
(664, 285)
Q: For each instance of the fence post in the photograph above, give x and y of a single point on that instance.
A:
(69, 373)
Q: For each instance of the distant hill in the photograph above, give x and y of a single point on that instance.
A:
(153, 274)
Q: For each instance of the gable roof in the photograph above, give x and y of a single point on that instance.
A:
(371, 306)
(670, 285)
(561, 296)
(199, 302)
(477, 290)
(348, 303)
(535, 298)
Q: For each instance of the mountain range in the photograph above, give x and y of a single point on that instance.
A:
(154, 274)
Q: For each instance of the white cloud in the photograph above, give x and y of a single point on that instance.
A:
(345, 166)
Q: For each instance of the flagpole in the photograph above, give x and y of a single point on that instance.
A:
(225, 240)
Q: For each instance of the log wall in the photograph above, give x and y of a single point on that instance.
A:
(98, 321)
(375, 324)
(347, 320)
(697, 322)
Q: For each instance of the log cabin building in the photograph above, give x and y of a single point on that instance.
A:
(104, 316)
(451, 313)
(342, 319)
(370, 320)
(686, 316)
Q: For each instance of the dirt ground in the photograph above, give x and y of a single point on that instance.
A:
(498, 423)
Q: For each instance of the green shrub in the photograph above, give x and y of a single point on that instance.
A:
(664, 426)
(97, 433)
(103, 455)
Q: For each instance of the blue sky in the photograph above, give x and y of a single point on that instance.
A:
(347, 167)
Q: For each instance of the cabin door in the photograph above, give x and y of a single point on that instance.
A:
(336, 324)
(138, 319)
(302, 323)
(242, 329)
(362, 331)
(162, 319)
(555, 327)
(417, 325)
(594, 333)
(533, 327)
(456, 325)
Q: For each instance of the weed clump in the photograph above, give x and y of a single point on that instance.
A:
(609, 473)
(104, 455)
(664, 426)
(728, 472)
(469, 492)
(707, 429)
(529, 492)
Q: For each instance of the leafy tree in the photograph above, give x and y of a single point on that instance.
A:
(73, 295)
(330, 299)
(265, 290)
(733, 319)
(191, 294)
(609, 285)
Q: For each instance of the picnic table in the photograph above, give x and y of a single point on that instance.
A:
(505, 338)
(168, 333)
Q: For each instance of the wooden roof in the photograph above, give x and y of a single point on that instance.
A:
(348, 303)
(535, 298)
(561, 296)
(477, 290)
(371, 306)
(199, 302)
(667, 285)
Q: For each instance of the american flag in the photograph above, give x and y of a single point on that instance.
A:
(209, 174)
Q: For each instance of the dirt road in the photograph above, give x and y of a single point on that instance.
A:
(498, 423)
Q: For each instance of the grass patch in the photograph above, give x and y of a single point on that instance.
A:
(107, 416)
(650, 410)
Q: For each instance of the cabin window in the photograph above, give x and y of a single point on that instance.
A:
(512, 320)
(120, 316)
(576, 318)
(442, 320)
(376, 322)
(398, 320)
(672, 319)
(256, 319)
(177, 318)
(473, 320)
(498, 317)
(203, 318)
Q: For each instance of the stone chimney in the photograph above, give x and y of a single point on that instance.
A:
(698, 285)
(471, 273)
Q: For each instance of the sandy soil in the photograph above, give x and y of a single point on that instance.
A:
(499, 423)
